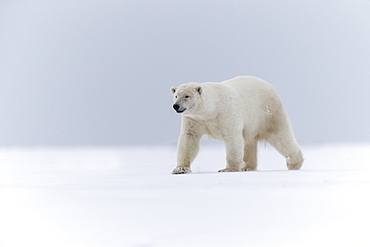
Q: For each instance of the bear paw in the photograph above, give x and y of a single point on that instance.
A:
(229, 170)
(295, 166)
(249, 169)
(181, 170)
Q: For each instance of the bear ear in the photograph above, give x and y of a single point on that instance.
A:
(173, 89)
(199, 90)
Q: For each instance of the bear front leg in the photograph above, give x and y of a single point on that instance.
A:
(250, 155)
(234, 154)
(187, 150)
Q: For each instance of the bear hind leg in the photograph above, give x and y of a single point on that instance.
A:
(287, 146)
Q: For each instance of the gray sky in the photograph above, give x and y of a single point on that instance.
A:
(78, 72)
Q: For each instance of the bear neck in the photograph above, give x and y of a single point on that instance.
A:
(206, 111)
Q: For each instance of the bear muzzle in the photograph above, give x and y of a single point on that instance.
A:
(179, 108)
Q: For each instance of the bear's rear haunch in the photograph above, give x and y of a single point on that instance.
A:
(241, 112)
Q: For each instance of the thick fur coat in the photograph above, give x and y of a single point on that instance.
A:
(240, 112)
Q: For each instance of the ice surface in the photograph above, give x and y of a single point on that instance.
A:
(127, 197)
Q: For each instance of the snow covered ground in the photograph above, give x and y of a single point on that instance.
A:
(127, 197)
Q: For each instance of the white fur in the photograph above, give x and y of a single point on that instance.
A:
(239, 111)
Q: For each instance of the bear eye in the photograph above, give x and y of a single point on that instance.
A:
(176, 97)
(187, 96)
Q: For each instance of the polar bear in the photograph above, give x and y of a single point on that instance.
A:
(241, 112)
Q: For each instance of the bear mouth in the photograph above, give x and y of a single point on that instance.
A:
(180, 111)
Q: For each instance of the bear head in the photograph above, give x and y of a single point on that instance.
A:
(186, 98)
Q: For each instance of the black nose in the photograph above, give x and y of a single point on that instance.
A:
(176, 107)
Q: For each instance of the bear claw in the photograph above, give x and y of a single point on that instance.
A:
(248, 169)
(228, 170)
(181, 170)
(296, 166)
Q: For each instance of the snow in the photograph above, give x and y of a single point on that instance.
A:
(127, 197)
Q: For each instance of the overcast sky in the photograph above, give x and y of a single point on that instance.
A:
(78, 72)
